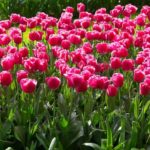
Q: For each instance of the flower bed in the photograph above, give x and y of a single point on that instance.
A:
(76, 83)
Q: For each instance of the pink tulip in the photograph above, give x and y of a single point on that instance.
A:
(23, 27)
(17, 58)
(31, 23)
(117, 79)
(5, 78)
(111, 90)
(69, 9)
(31, 64)
(86, 74)
(115, 62)
(65, 44)
(2, 30)
(55, 39)
(82, 87)
(17, 39)
(141, 20)
(74, 39)
(144, 88)
(28, 85)
(85, 23)
(53, 83)
(89, 68)
(42, 15)
(127, 64)
(23, 51)
(21, 74)
(42, 55)
(97, 27)
(139, 60)
(15, 18)
(11, 49)
(4, 39)
(8, 62)
(87, 47)
(42, 65)
(80, 7)
(138, 75)
(102, 48)
(115, 12)
(35, 35)
(2, 52)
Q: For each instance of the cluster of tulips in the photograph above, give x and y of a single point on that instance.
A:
(92, 51)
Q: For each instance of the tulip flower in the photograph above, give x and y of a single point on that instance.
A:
(138, 75)
(115, 63)
(21, 74)
(80, 7)
(52, 82)
(5, 78)
(127, 64)
(102, 48)
(111, 90)
(8, 62)
(117, 79)
(28, 85)
(144, 88)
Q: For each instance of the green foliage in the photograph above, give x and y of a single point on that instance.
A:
(29, 8)
(64, 121)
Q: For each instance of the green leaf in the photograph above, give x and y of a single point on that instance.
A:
(95, 118)
(122, 132)
(41, 141)
(33, 129)
(136, 110)
(52, 144)
(104, 143)
(62, 104)
(109, 137)
(92, 145)
(134, 133)
(77, 131)
(71, 133)
(11, 115)
(146, 106)
(63, 122)
(33, 146)
(19, 133)
(9, 148)
(119, 146)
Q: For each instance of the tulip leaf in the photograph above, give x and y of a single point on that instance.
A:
(9, 148)
(19, 133)
(63, 122)
(146, 106)
(52, 144)
(92, 145)
(109, 137)
(119, 146)
(41, 140)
